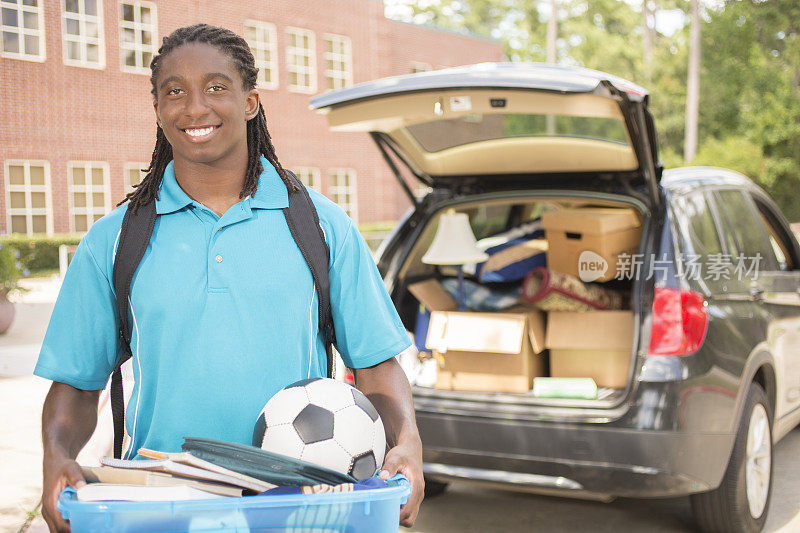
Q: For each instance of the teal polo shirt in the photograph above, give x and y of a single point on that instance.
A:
(223, 313)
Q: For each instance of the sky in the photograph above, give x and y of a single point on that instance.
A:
(667, 21)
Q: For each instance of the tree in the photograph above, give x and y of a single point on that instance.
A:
(748, 96)
(693, 86)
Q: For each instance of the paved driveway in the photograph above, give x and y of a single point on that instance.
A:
(466, 507)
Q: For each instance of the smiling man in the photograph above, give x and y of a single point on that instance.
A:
(223, 306)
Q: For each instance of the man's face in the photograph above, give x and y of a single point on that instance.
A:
(202, 106)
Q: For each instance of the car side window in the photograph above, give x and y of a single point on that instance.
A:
(780, 241)
(752, 237)
(697, 227)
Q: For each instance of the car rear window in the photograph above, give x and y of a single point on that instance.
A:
(697, 226)
(442, 134)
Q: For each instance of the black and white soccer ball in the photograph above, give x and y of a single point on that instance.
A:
(325, 422)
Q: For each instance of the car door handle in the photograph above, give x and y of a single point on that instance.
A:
(757, 294)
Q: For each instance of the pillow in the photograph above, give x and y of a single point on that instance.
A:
(513, 262)
(519, 250)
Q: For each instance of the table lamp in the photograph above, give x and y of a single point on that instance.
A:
(454, 244)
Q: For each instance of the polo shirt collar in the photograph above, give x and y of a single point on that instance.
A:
(270, 194)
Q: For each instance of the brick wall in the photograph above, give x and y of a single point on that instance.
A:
(61, 113)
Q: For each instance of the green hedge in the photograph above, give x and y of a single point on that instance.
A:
(40, 252)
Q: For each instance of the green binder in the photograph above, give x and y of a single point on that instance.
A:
(261, 464)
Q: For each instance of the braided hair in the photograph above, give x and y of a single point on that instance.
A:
(259, 141)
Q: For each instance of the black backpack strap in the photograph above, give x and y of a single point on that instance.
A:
(303, 221)
(133, 240)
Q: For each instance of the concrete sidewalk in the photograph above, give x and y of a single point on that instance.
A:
(22, 395)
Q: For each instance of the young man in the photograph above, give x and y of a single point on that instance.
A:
(222, 307)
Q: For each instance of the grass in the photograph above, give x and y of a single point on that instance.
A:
(31, 516)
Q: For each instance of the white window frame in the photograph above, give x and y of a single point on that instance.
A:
(420, 66)
(314, 173)
(27, 188)
(82, 19)
(335, 190)
(259, 44)
(345, 77)
(88, 188)
(293, 53)
(126, 178)
(138, 26)
(22, 32)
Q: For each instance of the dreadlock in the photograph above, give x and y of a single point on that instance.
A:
(259, 141)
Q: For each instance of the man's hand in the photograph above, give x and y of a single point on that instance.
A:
(387, 387)
(406, 458)
(69, 416)
(58, 473)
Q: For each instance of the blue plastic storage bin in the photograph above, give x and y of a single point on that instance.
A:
(364, 511)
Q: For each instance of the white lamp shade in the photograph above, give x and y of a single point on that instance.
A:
(454, 242)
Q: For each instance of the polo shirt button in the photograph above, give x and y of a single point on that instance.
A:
(218, 259)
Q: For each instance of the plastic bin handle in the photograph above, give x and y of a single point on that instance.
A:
(67, 494)
(399, 480)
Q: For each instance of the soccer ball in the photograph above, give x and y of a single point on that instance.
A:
(325, 422)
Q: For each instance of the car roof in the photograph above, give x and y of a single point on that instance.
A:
(685, 179)
(538, 76)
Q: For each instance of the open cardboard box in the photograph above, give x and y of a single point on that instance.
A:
(605, 231)
(494, 352)
(591, 344)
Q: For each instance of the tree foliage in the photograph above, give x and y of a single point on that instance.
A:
(749, 79)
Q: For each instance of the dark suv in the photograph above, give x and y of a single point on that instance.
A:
(714, 372)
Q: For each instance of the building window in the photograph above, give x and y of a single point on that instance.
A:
(23, 29)
(310, 176)
(263, 40)
(338, 61)
(28, 197)
(83, 33)
(138, 35)
(419, 66)
(300, 60)
(89, 197)
(134, 174)
(343, 189)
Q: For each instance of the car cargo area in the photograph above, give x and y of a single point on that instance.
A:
(542, 317)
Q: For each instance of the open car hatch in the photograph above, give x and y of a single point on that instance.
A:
(498, 120)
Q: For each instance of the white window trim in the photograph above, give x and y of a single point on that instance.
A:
(21, 31)
(128, 187)
(333, 189)
(90, 210)
(346, 57)
(312, 60)
(273, 48)
(27, 188)
(420, 66)
(138, 47)
(316, 176)
(101, 52)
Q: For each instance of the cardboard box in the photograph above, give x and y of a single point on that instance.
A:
(493, 352)
(591, 344)
(605, 231)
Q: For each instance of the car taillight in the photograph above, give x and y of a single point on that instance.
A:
(680, 321)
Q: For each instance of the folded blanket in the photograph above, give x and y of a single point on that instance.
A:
(512, 254)
(555, 291)
(482, 298)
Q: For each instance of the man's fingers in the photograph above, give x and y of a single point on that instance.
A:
(50, 513)
(390, 467)
(408, 516)
(75, 476)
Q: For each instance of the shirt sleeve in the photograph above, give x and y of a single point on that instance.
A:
(368, 329)
(80, 346)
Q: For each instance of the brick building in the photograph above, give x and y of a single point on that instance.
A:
(76, 110)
